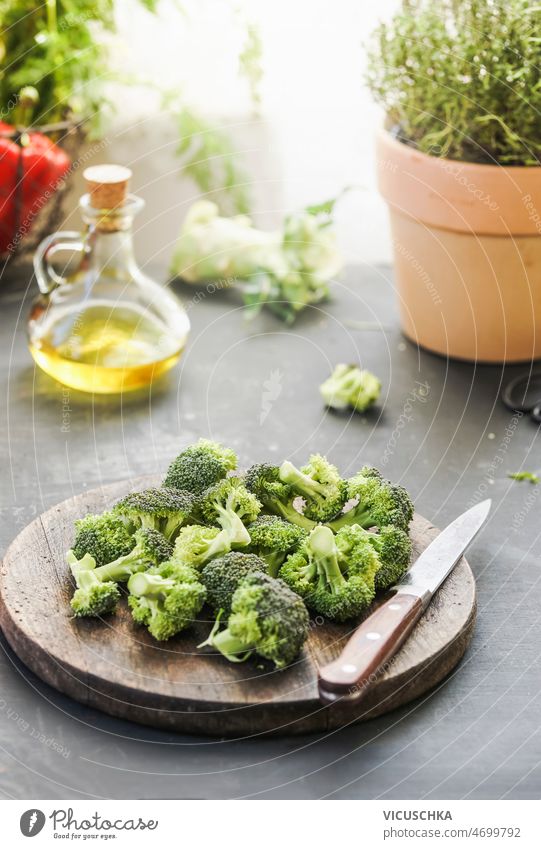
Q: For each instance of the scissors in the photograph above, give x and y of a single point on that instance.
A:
(523, 394)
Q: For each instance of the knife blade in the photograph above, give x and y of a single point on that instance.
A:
(382, 633)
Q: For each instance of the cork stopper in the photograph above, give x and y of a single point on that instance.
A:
(107, 185)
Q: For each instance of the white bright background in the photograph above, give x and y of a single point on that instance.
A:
(315, 132)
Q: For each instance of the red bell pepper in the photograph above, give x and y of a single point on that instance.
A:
(31, 169)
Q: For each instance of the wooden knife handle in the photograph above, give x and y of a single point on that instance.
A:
(373, 643)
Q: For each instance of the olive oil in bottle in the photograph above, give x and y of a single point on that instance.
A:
(106, 328)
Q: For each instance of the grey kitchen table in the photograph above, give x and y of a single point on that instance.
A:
(440, 430)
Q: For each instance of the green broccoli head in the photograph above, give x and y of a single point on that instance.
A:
(393, 546)
(104, 536)
(161, 509)
(266, 618)
(334, 575)
(319, 484)
(93, 597)
(222, 576)
(378, 503)
(350, 386)
(166, 599)
(232, 506)
(200, 466)
(272, 539)
(277, 497)
(197, 544)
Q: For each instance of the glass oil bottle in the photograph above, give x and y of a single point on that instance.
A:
(106, 327)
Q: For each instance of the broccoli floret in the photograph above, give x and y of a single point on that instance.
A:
(277, 497)
(320, 485)
(197, 544)
(166, 599)
(272, 539)
(379, 503)
(150, 549)
(93, 596)
(229, 504)
(162, 509)
(266, 618)
(334, 575)
(393, 546)
(199, 466)
(104, 536)
(222, 576)
(97, 591)
(350, 386)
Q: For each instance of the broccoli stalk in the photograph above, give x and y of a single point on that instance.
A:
(266, 618)
(230, 504)
(197, 544)
(276, 496)
(350, 386)
(151, 548)
(320, 485)
(166, 599)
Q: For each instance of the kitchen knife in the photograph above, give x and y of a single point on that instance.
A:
(382, 633)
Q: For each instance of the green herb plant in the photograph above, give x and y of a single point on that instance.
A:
(461, 78)
(61, 48)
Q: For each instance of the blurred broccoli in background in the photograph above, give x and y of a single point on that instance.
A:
(285, 270)
(350, 387)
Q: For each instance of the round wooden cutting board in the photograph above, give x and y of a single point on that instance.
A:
(115, 666)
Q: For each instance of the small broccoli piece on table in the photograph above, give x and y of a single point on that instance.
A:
(273, 539)
(393, 547)
(199, 466)
(379, 503)
(197, 544)
(319, 484)
(266, 618)
(222, 576)
(229, 504)
(166, 598)
(162, 509)
(277, 497)
(93, 596)
(334, 575)
(104, 536)
(350, 386)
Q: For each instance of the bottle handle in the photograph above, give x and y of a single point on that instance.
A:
(65, 240)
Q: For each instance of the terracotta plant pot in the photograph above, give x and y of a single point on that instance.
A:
(467, 251)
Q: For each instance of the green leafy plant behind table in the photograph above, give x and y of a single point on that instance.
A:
(462, 78)
(61, 48)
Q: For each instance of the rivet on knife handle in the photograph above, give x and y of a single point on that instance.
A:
(374, 642)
